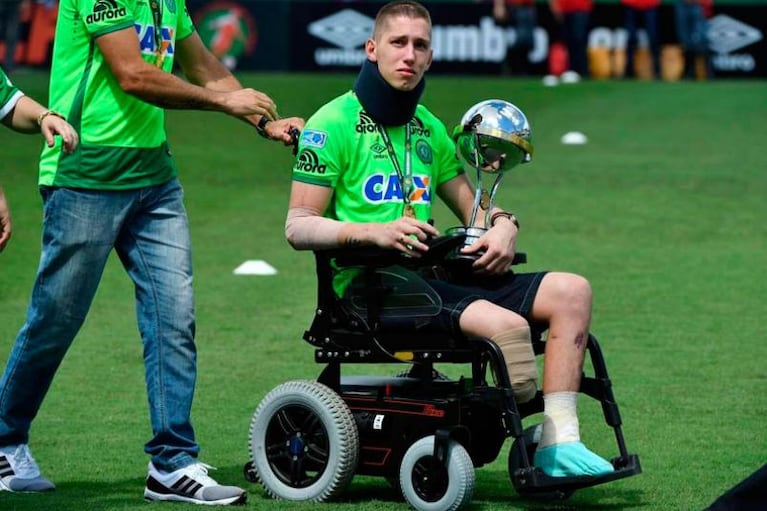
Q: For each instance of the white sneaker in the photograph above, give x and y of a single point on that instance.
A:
(190, 484)
(19, 471)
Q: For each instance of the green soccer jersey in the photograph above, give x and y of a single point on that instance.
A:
(9, 95)
(343, 148)
(122, 138)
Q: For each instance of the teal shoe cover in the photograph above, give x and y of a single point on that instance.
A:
(570, 459)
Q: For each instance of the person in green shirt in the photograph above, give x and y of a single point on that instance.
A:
(25, 115)
(369, 165)
(111, 77)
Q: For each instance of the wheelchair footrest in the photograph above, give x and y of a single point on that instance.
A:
(532, 481)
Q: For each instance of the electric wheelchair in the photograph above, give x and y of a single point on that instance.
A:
(422, 431)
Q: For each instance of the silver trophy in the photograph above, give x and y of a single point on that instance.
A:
(494, 136)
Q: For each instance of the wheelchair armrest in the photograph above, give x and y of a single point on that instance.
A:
(374, 257)
(439, 248)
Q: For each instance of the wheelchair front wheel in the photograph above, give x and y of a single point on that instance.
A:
(429, 486)
(304, 443)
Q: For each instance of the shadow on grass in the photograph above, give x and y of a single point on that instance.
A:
(106, 493)
(494, 492)
(92, 495)
(607, 500)
(495, 487)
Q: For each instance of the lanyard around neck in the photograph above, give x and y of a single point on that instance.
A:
(405, 178)
(156, 6)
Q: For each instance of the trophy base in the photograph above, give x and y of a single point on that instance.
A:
(462, 263)
(472, 234)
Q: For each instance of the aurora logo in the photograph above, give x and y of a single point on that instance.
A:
(105, 10)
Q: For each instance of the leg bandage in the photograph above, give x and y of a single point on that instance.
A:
(560, 419)
(518, 354)
(560, 452)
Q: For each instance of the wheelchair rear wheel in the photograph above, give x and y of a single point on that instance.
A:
(304, 443)
(428, 485)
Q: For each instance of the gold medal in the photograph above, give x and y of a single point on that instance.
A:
(484, 200)
(409, 211)
(159, 58)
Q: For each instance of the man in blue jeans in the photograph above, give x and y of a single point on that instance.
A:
(111, 78)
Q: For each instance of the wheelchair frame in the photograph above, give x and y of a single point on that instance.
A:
(423, 432)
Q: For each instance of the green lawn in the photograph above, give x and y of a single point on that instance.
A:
(663, 210)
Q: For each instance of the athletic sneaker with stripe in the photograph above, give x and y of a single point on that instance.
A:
(19, 471)
(190, 484)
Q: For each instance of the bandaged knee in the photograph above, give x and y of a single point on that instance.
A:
(517, 349)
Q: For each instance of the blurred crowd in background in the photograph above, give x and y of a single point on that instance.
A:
(570, 57)
(573, 16)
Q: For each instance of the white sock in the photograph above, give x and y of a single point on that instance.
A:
(560, 420)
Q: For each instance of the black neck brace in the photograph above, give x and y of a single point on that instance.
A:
(385, 104)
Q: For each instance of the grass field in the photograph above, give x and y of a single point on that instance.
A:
(663, 210)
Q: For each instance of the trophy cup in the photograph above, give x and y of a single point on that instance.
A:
(493, 137)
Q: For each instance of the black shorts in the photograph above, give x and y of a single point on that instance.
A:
(413, 302)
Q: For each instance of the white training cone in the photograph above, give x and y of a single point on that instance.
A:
(255, 267)
(574, 138)
(550, 81)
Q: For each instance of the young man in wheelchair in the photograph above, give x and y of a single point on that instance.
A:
(368, 165)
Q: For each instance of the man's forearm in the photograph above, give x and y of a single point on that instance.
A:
(166, 90)
(306, 230)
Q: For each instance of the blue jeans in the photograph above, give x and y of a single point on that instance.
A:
(149, 230)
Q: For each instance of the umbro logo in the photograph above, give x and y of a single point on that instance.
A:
(346, 29)
(378, 148)
(727, 34)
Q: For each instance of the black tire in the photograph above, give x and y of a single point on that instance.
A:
(304, 443)
(448, 488)
(249, 472)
